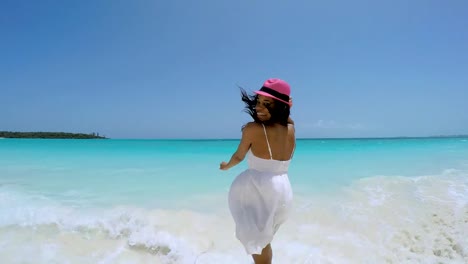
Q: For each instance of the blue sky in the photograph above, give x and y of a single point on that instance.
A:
(170, 69)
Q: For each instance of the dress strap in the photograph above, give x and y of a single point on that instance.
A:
(268, 143)
(294, 149)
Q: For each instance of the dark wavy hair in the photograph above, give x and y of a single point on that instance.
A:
(279, 112)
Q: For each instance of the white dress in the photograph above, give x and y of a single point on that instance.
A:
(260, 199)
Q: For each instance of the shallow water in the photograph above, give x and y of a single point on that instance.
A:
(165, 201)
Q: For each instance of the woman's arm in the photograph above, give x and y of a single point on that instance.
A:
(242, 149)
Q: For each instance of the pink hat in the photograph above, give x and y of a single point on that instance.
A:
(276, 89)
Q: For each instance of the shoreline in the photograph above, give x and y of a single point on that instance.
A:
(49, 135)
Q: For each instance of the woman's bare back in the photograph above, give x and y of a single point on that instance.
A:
(281, 140)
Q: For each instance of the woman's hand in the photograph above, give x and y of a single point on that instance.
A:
(223, 166)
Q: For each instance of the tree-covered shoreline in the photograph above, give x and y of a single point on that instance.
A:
(50, 135)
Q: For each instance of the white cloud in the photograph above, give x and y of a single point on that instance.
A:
(331, 124)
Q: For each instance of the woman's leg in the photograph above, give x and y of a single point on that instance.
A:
(265, 257)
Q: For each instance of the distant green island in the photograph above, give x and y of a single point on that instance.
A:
(57, 135)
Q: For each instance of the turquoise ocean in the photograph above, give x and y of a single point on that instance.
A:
(165, 201)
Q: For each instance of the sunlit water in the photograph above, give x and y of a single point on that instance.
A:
(165, 201)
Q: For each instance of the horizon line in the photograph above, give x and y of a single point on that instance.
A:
(309, 138)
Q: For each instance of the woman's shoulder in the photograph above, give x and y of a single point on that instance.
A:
(291, 131)
(251, 127)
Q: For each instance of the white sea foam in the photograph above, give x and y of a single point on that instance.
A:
(382, 219)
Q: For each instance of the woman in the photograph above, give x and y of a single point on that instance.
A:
(260, 197)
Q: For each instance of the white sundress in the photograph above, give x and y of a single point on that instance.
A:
(260, 199)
